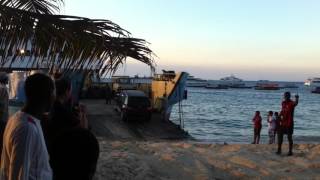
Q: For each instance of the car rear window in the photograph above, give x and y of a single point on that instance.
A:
(138, 102)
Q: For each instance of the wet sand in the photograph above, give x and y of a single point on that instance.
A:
(160, 150)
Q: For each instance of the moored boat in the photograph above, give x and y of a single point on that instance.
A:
(266, 85)
(312, 82)
(232, 82)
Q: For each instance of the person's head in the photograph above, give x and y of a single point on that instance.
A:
(40, 92)
(74, 155)
(3, 78)
(63, 88)
(287, 95)
(270, 113)
(276, 113)
(257, 113)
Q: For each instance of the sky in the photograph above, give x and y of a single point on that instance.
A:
(211, 39)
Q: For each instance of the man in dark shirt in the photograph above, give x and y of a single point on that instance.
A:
(63, 117)
(287, 123)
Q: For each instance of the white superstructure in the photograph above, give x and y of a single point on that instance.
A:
(312, 82)
(232, 81)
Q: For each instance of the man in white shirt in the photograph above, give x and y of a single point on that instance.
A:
(24, 155)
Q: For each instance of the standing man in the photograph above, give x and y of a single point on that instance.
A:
(287, 123)
(24, 155)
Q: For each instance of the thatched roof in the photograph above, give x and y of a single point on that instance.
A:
(66, 42)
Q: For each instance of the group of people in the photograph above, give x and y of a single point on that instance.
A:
(279, 124)
(49, 137)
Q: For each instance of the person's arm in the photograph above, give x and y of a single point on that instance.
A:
(23, 145)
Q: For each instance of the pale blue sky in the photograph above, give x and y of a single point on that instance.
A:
(271, 39)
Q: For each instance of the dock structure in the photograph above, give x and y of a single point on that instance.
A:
(105, 122)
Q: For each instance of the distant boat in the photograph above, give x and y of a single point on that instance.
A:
(232, 82)
(266, 85)
(196, 82)
(312, 82)
(307, 82)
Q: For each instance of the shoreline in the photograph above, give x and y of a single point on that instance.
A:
(160, 150)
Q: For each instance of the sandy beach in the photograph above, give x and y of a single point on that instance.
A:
(187, 160)
(160, 150)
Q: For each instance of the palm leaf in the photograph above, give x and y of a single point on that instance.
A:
(37, 6)
(67, 42)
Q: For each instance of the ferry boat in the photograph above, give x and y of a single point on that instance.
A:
(196, 82)
(266, 85)
(232, 82)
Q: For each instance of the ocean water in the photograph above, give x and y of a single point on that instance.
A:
(225, 115)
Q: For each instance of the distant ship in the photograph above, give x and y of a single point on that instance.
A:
(313, 82)
(196, 82)
(266, 85)
(232, 82)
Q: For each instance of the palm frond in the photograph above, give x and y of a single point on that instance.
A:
(37, 6)
(67, 42)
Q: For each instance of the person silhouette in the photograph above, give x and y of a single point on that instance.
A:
(286, 122)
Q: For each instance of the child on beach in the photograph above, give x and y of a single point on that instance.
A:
(278, 119)
(257, 127)
(271, 127)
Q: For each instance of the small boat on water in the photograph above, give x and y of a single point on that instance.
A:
(266, 85)
(307, 82)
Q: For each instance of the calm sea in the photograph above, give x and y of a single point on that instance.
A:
(225, 115)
